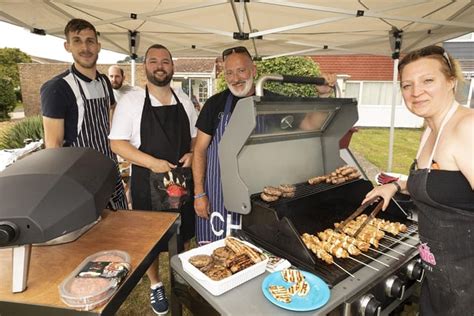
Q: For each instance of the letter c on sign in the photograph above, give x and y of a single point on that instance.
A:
(218, 215)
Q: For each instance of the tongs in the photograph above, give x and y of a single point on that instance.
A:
(358, 211)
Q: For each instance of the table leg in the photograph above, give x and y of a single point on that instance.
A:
(173, 246)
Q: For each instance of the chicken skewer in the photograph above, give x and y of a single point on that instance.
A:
(349, 247)
(391, 249)
(365, 235)
(393, 228)
(337, 250)
(314, 245)
(409, 237)
(363, 263)
(399, 241)
(329, 233)
(376, 260)
(362, 245)
(385, 254)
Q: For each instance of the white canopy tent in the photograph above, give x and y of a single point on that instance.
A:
(269, 28)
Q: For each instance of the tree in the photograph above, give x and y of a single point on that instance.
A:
(7, 98)
(9, 58)
(292, 65)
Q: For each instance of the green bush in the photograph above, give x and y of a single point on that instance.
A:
(29, 128)
(7, 98)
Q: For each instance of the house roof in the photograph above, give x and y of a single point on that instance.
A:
(201, 65)
(42, 60)
(359, 67)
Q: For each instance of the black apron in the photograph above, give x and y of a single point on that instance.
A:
(164, 134)
(446, 250)
(94, 132)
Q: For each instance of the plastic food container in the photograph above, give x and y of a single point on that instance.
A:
(224, 285)
(95, 280)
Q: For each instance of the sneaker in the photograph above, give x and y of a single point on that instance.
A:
(159, 302)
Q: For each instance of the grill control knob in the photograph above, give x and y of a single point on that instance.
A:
(7, 234)
(394, 287)
(369, 306)
(415, 270)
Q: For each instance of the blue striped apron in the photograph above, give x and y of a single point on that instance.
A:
(93, 134)
(220, 220)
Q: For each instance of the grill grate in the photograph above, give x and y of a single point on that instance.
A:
(302, 190)
(313, 209)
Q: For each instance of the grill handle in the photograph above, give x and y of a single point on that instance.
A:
(287, 79)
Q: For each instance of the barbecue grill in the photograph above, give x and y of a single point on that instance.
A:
(51, 196)
(267, 143)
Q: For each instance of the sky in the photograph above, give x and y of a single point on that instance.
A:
(45, 46)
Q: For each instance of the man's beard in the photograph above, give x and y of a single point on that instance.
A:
(157, 82)
(116, 85)
(242, 93)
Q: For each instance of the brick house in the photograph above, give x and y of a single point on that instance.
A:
(367, 78)
(194, 76)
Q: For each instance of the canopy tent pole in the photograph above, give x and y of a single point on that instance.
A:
(396, 40)
(133, 40)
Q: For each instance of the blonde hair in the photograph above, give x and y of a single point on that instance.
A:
(449, 66)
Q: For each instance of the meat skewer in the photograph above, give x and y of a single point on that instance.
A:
(349, 247)
(385, 254)
(376, 260)
(329, 233)
(399, 241)
(391, 249)
(314, 244)
(392, 227)
(363, 263)
(362, 245)
(365, 235)
(409, 237)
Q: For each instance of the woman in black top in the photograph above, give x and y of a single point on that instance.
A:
(441, 181)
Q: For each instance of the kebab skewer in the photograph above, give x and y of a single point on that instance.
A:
(350, 246)
(314, 244)
(393, 228)
(335, 249)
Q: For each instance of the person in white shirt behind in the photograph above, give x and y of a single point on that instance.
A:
(117, 79)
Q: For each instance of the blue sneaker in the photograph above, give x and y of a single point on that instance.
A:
(159, 302)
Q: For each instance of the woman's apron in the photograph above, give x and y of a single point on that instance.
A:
(164, 134)
(94, 132)
(220, 220)
(447, 245)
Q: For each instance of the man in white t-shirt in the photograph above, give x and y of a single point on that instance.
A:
(154, 129)
(117, 80)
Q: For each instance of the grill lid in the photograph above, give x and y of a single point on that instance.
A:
(275, 140)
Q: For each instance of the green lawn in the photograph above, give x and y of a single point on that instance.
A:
(372, 143)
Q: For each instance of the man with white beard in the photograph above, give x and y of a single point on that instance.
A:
(212, 217)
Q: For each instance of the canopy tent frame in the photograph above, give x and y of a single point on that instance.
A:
(268, 28)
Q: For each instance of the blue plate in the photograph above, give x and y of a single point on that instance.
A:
(317, 297)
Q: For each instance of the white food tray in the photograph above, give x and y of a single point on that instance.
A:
(224, 285)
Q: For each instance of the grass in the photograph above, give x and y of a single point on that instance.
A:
(371, 143)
